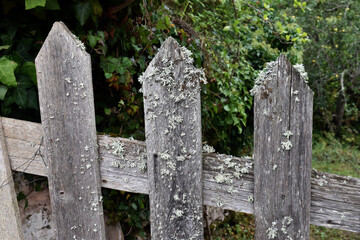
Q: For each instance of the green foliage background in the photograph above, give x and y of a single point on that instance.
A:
(231, 39)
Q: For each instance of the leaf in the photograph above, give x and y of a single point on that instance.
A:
(83, 11)
(30, 4)
(7, 68)
(3, 91)
(28, 69)
(93, 40)
(24, 81)
(32, 101)
(134, 206)
(4, 47)
(126, 62)
(21, 96)
(97, 7)
(52, 5)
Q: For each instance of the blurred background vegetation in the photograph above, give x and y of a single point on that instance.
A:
(232, 40)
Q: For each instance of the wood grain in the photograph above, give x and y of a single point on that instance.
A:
(282, 154)
(173, 139)
(335, 200)
(10, 227)
(70, 142)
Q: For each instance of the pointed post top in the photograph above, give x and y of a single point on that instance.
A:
(270, 73)
(62, 37)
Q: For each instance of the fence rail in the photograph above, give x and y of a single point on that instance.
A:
(283, 192)
(335, 199)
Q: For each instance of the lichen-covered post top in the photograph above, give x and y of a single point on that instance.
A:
(171, 90)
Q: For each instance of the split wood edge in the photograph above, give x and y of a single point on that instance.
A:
(10, 227)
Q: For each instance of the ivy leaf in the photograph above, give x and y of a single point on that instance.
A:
(32, 99)
(93, 40)
(21, 96)
(28, 69)
(24, 81)
(83, 11)
(7, 68)
(3, 91)
(30, 4)
(126, 62)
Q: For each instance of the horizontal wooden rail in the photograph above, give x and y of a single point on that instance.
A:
(228, 181)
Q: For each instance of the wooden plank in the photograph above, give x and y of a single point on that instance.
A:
(10, 227)
(335, 200)
(282, 153)
(67, 112)
(171, 87)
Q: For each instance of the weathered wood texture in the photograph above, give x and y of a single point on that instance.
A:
(282, 153)
(67, 112)
(10, 227)
(171, 87)
(335, 200)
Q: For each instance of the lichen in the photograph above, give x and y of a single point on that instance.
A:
(303, 74)
(263, 75)
(287, 145)
(224, 178)
(272, 231)
(285, 224)
(117, 148)
(208, 149)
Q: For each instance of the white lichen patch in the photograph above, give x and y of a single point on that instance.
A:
(322, 180)
(231, 190)
(165, 156)
(288, 134)
(117, 148)
(219, 202)
(171, 165)
(266, 74)
(285, 224)
(303, 74)
(287, 145)
(180, 158)
(272, 231)
(208, 149)
(224, 178)
(79, 43)
(68, 80)
(174, 121)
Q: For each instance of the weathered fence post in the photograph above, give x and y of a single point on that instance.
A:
(171, 86)
(68, 119)
(10, 223)
(282, 153)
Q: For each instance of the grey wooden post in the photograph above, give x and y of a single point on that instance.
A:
(68, 119)
(10, 223)
(171, 86)
(282, 153)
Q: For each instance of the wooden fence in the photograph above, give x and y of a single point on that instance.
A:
(278, 185)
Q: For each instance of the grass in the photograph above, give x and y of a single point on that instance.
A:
(329, 155)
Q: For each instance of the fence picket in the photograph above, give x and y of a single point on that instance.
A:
(68, 119)
(282, 153)
(171, 86)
